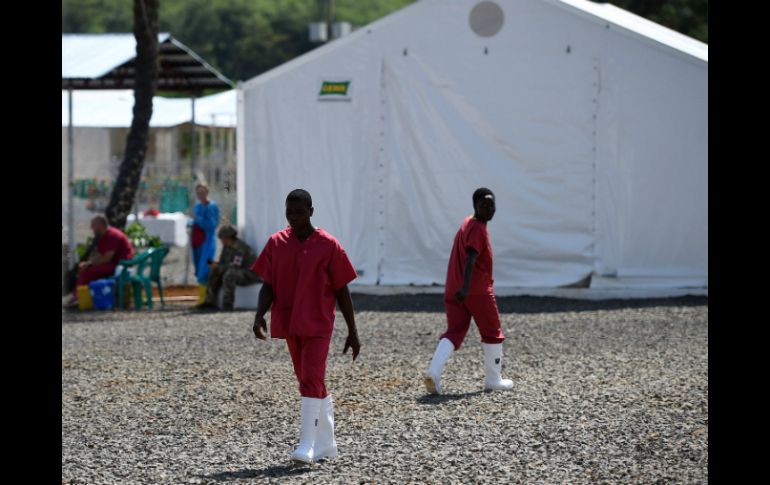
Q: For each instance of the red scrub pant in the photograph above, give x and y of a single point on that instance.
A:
(93, 273)
(483, 309)
(308, 354)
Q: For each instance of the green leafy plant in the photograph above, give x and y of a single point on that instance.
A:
(139, 238)
(82, 247)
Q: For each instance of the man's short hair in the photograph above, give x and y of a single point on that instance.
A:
(227, 231)
(101, 219)
(480, 193)
(302, 195)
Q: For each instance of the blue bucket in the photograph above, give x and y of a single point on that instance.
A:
(103, 293)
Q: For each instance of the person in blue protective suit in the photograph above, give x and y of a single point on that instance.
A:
(203, 236)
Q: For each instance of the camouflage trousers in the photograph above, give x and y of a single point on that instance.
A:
(227, 280)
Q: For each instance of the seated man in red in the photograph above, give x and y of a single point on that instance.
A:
(111, 246)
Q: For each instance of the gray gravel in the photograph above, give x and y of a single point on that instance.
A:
(604, 392)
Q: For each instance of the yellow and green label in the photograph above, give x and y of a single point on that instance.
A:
(329, 88)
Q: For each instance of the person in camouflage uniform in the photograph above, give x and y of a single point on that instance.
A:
(233, 268)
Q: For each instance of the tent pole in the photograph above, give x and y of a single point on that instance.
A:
(192, 191)
(70, 188)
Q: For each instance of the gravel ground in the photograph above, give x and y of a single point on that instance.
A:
(604, 392)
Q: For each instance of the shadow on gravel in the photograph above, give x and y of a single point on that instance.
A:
(271, 471)
(517, 304)
(434, 399)
(427, 303)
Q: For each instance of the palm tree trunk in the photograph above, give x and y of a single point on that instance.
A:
(146, 81)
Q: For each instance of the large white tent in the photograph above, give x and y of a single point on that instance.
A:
(589, 123)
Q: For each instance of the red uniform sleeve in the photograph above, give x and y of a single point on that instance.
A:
(125, 250)
(340, 268)
(263, 266)
(114, 240)
(475, 238)
(107, 242)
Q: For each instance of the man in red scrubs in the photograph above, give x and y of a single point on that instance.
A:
(469, 293)
(305, 273)
(112, 245)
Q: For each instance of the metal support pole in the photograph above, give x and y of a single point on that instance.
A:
(193, 157)
(70, 188)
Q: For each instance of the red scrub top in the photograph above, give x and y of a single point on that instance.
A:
(114, 240)
(472, 234)
(303, 275)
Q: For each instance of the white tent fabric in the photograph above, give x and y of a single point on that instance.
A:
(589, 123)
(81, 57)
(114, 109)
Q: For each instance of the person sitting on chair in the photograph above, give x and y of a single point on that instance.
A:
(112, 246)
(233, 268)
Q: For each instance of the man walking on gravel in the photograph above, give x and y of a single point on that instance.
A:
(469, 293)
(305, 274)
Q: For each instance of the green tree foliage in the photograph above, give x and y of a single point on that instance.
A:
(241, 38)
(690, 17)
(97, 16)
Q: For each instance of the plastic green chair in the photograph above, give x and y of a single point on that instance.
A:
(157, 255)
(125, 276)
(152, 258)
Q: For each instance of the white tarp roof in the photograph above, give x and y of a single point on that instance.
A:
(107, 61)
(114, 109)
(588, 122)
(93, 55)
(633, 24)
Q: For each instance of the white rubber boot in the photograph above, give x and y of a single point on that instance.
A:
(444, 351)
(308, 419)
(493, 358)
(325, 445)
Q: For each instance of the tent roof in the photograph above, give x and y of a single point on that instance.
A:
(106, 61)
(114, 109)
(604, 13)
(640, 26)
